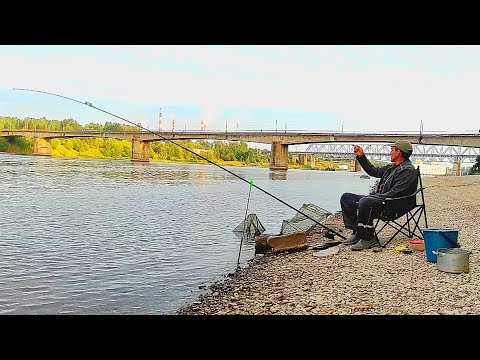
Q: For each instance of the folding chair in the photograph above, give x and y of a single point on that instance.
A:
(405, 221)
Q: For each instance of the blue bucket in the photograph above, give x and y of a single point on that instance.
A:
(439, 238)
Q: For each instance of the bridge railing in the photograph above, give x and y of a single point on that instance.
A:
(268, 131)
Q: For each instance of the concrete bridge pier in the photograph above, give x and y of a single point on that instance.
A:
(42, 147)
(312, 161)
(279, 156)
(354, 166)
(140, 150)
(295, 159)
(301, 159)
(457, 168)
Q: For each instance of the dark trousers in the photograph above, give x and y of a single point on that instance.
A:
(358, 213)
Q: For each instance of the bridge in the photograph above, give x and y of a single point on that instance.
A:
(452, 154)
(278, 140)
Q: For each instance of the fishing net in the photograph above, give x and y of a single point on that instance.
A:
(301, 223)
(251, 225)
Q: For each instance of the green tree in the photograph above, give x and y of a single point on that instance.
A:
(476, 167)
(29, 123)
(20, 145)
(70, 125)
(203, 144)
(112, 126)
(79, 145)
(93, 126)
(55, 125)
(42, 124)
(129, 128)
(3, 144)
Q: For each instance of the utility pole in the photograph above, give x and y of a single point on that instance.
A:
(276, 125)
(173, 124)
(226, 128)
(285, 126)
(160, 120)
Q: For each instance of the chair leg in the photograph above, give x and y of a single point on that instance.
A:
(406, 229)
(417, 223)
(393, 236)
(410, 235)
(424, 210)
(378, 232)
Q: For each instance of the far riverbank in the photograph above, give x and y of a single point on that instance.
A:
(326, 165)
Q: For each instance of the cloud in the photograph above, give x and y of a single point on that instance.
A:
(363, 87)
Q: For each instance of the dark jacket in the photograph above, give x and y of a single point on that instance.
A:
(395, 180)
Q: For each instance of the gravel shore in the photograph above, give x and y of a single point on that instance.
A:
(362, 282)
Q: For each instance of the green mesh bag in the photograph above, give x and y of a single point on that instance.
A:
(301, 223)
(251, 225)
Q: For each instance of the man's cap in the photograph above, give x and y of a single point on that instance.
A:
(404, 145)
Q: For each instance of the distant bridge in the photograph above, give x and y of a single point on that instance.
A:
(382, 152)
(279, 140)
(265, 137)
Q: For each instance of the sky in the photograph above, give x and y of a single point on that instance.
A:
(258, 87)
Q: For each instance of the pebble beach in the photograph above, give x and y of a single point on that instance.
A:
(365, 282)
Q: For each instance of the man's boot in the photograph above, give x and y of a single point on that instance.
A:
(369, 241)
(352, 239)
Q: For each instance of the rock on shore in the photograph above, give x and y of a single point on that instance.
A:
(362, 282)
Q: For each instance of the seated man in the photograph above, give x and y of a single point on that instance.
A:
(397, 179)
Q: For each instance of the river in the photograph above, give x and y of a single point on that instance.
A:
(87, 236)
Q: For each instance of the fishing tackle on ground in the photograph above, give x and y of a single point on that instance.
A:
(89, 104)
(300, 222)
(252, 226)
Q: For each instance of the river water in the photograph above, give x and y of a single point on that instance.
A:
(86, 236)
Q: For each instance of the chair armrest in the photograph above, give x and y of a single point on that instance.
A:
(405, 197)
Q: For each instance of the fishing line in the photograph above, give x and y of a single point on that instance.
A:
(244, 223)
(87, 103)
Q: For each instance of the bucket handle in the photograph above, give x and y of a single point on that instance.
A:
(457, 245)
(441, 254)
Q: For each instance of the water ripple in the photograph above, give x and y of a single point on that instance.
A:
(113, 237)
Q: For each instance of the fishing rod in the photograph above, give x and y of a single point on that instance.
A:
(87, 103)
(244, 223)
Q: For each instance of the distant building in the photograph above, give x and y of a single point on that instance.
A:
(432, 168)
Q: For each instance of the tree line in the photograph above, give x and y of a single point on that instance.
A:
(28, 123)
(117, 149)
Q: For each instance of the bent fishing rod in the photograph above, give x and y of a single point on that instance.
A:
(87, 103)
